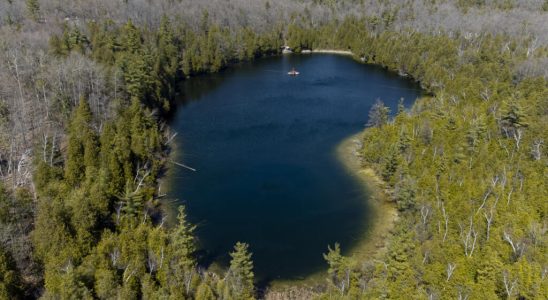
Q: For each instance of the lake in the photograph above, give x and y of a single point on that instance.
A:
(263, 146)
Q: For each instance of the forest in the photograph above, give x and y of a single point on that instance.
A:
(86, 87)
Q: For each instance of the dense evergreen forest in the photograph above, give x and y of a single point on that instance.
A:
(85, 87)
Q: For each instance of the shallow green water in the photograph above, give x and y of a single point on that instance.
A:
(263, 145)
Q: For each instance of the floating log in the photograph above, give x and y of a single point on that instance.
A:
(183, 165)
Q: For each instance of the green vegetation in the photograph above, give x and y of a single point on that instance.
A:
(466, 170)
(98, 228)
(151, 63)
(466, 166)
(10, 285)
(95, 232)
(240, 274)
(33, 9)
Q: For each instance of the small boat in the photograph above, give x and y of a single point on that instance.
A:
(293, 72)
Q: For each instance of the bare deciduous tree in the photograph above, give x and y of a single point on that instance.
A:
(489, 219)
(509, 285)
(535, 149)
(518, 135)
(450, 269)
(468, 237)
(518, 247)
(446, 222)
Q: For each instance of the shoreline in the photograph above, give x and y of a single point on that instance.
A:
(374, 241)
(333, 51)
(384, 211)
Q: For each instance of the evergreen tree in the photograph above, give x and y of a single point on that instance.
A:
(404, 142)
(138, 75)
(514, 118)
(341, 271)
(405, 192)
(103, 42)
(167, 60)
(56, 46)
(335, 260)
(106, 283)
(33, 9)
(10, 287)
(77, 40)
(391, 163)
(131, 38)
(240, 277)
(475, 134)
(182, 263)
(82, 149)
(132, 201)
(205, 292)
(378, 114)
(144, 139)
(182, 241)
(401, 107)
(111, 167)
(72, 286)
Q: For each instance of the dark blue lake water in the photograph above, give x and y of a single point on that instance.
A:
(263, 145)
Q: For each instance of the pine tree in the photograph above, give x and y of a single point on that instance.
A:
(181, 252)
(82, 152)
(204, 23)
(167, 60)
(143, 132)
(405, 192)
(391, 162)
(10, 287)
(404, 142)
(475, 134)
(131, 38)
(121, 152)
(132, 201)
(401, 107)
(378, 114)
(138, 129)
(106, 283)
(205, 292)
(77, 40)
(56, 46)
(335, 261)
(71, 286)
(33, 9)
(111, 168)
(514, 118)
(103, 42)
(138, 74)
(182, 241)
(241, 275)
(341, 271)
